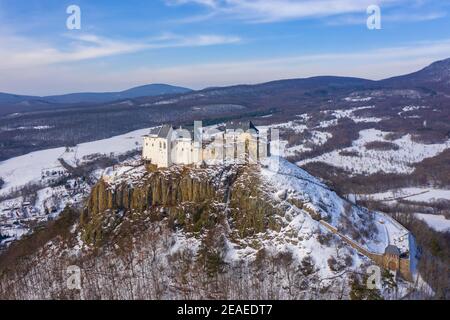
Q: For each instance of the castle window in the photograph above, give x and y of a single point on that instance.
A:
(160, 145)
(165, 145)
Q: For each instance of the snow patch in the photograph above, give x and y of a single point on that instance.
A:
(436, 222)
(373, 161)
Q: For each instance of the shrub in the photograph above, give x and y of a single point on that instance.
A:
(332, 264)
(336, 265)
(307, 266)
(324, 239)
(393, 136)
(381, 146)
(348, 153)
(348, 260)
(359, 290)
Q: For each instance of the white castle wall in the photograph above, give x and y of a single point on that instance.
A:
(156, 150)
(182, 150)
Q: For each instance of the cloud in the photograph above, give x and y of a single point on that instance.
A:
(372, 64)
(208, 3)
(388, 17)
(376, 64)
(263, 11)
(20, 52)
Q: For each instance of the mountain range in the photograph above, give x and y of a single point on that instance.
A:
(95, 97)
(433, 79)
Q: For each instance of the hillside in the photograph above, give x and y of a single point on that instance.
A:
(435, 77)
(234, 231)
(141, 91)
(93, 97)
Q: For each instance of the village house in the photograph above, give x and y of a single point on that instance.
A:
(237, 141)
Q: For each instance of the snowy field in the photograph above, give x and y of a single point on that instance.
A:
(372, 161)
(438, 223)
(317, 137)
(410, 194)
(347, 113)
(19, 171)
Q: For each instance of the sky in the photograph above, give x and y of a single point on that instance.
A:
(203, 43)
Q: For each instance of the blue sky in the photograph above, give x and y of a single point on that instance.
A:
(201, 43)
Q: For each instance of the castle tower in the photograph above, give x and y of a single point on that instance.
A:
(391, 259)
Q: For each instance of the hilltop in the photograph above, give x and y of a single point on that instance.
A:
(225, 231)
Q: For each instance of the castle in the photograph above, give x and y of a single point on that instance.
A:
(240, 142)
(235, 141)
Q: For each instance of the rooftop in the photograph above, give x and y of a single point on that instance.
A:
(161, 132)
(391, 249)
(238, 125)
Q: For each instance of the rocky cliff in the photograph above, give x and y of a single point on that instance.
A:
(192, 199)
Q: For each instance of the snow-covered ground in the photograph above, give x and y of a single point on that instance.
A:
(44, 168)
(347, 113)
(17, 214)
(26, 128)
(358, 99)
(289, 179)
(317, 138)
(407, 109)
(29, 168)
(436, 222)
(411, 194)
(372, 161)
(296, 126)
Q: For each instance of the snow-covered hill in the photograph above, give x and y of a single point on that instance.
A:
(39, 185)
(224, 231)
(30, 168)
(289, 179)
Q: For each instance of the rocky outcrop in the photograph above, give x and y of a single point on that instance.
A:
(191, 198)
(157, 189)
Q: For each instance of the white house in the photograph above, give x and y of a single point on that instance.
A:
(238, 141)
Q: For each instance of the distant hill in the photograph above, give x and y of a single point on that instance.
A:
(94, 97)
(141, 91)
(14, 98)
(434, 77)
